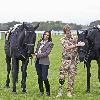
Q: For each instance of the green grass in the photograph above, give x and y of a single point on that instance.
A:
(32, 85)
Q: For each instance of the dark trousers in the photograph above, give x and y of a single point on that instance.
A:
(42, 72)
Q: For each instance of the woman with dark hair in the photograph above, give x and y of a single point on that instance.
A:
(42, 62)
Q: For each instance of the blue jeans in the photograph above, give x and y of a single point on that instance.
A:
(42, 72)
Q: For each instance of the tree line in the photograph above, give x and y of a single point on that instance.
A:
(50, 25)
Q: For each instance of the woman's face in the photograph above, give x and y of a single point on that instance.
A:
(46, 36)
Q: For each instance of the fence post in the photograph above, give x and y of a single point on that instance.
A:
(0, 35)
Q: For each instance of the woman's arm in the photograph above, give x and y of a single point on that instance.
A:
(46, 53)
(68, 47)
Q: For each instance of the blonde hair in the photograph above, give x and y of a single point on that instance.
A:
(66, 27)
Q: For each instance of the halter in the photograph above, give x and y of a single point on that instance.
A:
(29, 44)
(25, 44)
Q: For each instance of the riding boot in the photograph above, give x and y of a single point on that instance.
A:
(47, 86)
(40, 82)
(14, 89)
(23, 86)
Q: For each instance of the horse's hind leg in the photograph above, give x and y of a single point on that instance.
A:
(17, 71)
(24, 75)
(99, 72)
(14, 72)
(98, 62)
(8, 61)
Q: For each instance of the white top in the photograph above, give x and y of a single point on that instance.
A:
(42, 44)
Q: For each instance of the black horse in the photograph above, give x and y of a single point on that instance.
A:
(22, 42)
(8, 53)
(91, 50)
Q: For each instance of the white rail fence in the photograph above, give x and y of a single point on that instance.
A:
(41, 32)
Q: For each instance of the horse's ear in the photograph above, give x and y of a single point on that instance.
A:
(77, 33)
(50, 31)
(23, 24)
(36, 26)
(86, 32)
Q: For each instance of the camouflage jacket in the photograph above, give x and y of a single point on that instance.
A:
(69, 54)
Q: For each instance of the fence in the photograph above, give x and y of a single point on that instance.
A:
(41, 32)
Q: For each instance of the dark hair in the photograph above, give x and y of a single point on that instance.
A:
(49, 39)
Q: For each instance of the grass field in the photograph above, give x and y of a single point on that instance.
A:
(32, 85)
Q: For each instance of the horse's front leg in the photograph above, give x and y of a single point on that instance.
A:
(24, 74)
(17, 70)
(88, 75)
(14, 72)
(8, 62)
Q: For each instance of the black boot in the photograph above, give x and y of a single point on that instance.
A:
(14, 90)
(23, 86)
(7, 84)
(47, 85)
(40, 82)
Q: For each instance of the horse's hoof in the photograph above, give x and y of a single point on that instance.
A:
(14, 92)
(24, 91)
(7, 86)
(17, 81)
(87, 91)
(98, 93)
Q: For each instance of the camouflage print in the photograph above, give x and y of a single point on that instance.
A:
(69, 61)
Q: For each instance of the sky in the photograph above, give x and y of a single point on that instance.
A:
(68, 11)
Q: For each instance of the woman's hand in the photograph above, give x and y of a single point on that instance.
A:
(35, 54)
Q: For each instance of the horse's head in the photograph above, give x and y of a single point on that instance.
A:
(30, 37)
(94, 37)
(82, 50)
(25, 37)
(94, 40)
(91, 37)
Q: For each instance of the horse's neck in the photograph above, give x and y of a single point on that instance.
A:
(20, 35)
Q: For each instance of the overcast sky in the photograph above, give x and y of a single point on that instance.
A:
(75, 11)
